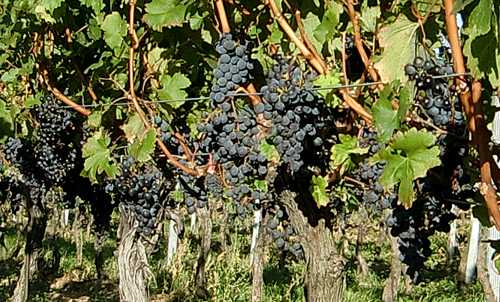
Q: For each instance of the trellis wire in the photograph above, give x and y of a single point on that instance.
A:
(204, 98)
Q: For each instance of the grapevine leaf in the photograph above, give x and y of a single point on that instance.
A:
(385, 118)
(164, 13)
(483, 57)
(269, 151)
(142, 148)
(115, 29)
(460, 5)
(327, 28)
(408, 158)
(341, 153)
(369, 16)
(261, 185)
(96, 5)
(480, 17)
(173, 89)
(6, 122)
(404, 102)
(51, 5)
(398, 41)
(326, 81)
(318, 190)
(94, 119)
(98, 157)
(311, 22)
(133, 128)
(413, 140)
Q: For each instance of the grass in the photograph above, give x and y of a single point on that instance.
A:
(228, 274)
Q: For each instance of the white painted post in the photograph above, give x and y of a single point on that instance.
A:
(453, 237)
(255, 232)
(172, 242)
(470, 269)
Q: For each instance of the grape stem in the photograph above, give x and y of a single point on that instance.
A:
(132, 96)
(222, 17)
(59, 95)
(472, 107)
(278, 16)
(359, 42)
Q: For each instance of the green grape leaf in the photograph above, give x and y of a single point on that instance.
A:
(98, 158)
(157, 60)
(96, 5)
(341, 153)
(385, 118)
(51, 5)
(369, 16)
(269, 151)
(311, 22)
(398, 41)
(480, 18)
(261, 184)
(327, 28)
(133, 128)
(165, 13)
(404, 102)
(407, 158)
(276, 33)
(318, 190)
(482, 47)
(6, 122)
(95, 118)
(32, 100)
(460, 5)
(115, 29)
(173, 89)
(142, 148)
(324, 82)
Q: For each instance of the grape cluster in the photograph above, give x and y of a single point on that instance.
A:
(436, 95)
(233, 70)
(55, 152)
(143, 190)
(298, 114)
(372, 194)
(194, 188)
(230, 134)
(232, 139)
(443, 187)
(282, 232)
(414, 226)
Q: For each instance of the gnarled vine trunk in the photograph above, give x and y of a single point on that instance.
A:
(325, 278)
(205, 232)
(133, 264)
(35, 232)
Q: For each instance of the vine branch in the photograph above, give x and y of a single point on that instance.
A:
(221, 13)
(472, 107)
(132, 96)
(278, 16)
(59, 95)
(316, 62)
(359, 42)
